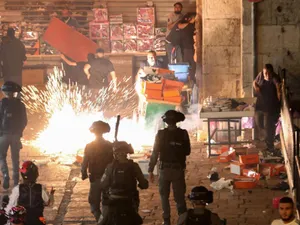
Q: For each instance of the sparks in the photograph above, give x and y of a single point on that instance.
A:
(71, 109)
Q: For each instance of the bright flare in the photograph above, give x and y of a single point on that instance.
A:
(70, 113)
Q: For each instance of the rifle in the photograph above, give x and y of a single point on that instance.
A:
(117, 128)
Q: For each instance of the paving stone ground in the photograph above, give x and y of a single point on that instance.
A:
(243, 207)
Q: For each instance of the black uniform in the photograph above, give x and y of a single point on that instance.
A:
(267, 110)
(199, 217)
(13, 120)
(97, 155)
(30, 197)
(187, 43)
(121, 194)
(100, 71)
(12, 57)
(172, 147)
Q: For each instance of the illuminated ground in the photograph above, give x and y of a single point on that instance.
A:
(71, 206)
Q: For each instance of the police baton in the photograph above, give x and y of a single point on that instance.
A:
(117, 128)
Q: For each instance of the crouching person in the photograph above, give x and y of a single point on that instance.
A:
(120, 184)
(31, 195)
(199, 215)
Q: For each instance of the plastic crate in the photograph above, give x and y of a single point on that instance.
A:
(181, 71)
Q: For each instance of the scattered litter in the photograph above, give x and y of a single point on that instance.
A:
(282, 186)
(146, 211)
(213, 175)
(222, 183)
(76, 179)
(245, 182)
(283, 176)
(41, 162)
(227, 167)
(264, 211)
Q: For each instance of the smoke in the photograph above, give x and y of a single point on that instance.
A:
(192, 121)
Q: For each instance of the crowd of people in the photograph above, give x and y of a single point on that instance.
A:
(114, 178)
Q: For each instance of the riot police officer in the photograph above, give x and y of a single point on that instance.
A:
(13, 120)
(31, 195)
(120, 184)
(97, 155)
(199, 215)
(171, 146)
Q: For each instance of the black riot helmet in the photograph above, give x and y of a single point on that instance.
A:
(201, 194)
(29, 171)
(100, 127)
(173, 117)
(10, 86)
(123, 147)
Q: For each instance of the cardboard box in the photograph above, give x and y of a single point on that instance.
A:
(227, 156)
(153, 94)
(269, 169)
(249, 159)
(236, 168)
(173, 84)
(241, 182)
(251, 173)
(101, 14)
(99, 31)
(173, 99)
(171, 93)
(152, 86)
(241, 150)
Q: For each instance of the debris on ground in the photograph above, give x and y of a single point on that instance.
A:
(221, 184)
(282, 186)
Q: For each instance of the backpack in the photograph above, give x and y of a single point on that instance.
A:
(123, 179)
(199, 219)
(9, 112)
(171, 146)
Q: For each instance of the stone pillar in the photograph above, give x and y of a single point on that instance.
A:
(221, 48)
(247, 47)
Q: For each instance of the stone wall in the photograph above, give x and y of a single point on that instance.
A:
(221, 48)
(278, 38)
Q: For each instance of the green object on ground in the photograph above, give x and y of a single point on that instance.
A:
(154, 112)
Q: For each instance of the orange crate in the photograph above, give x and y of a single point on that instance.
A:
(173, 99)
(171, 93)
(249, 159)
(241, 182)
(251, 173)
(227, 156)
(173, 84)
(272, 169)
(153, 94)
(153, 86)
(236, 168)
